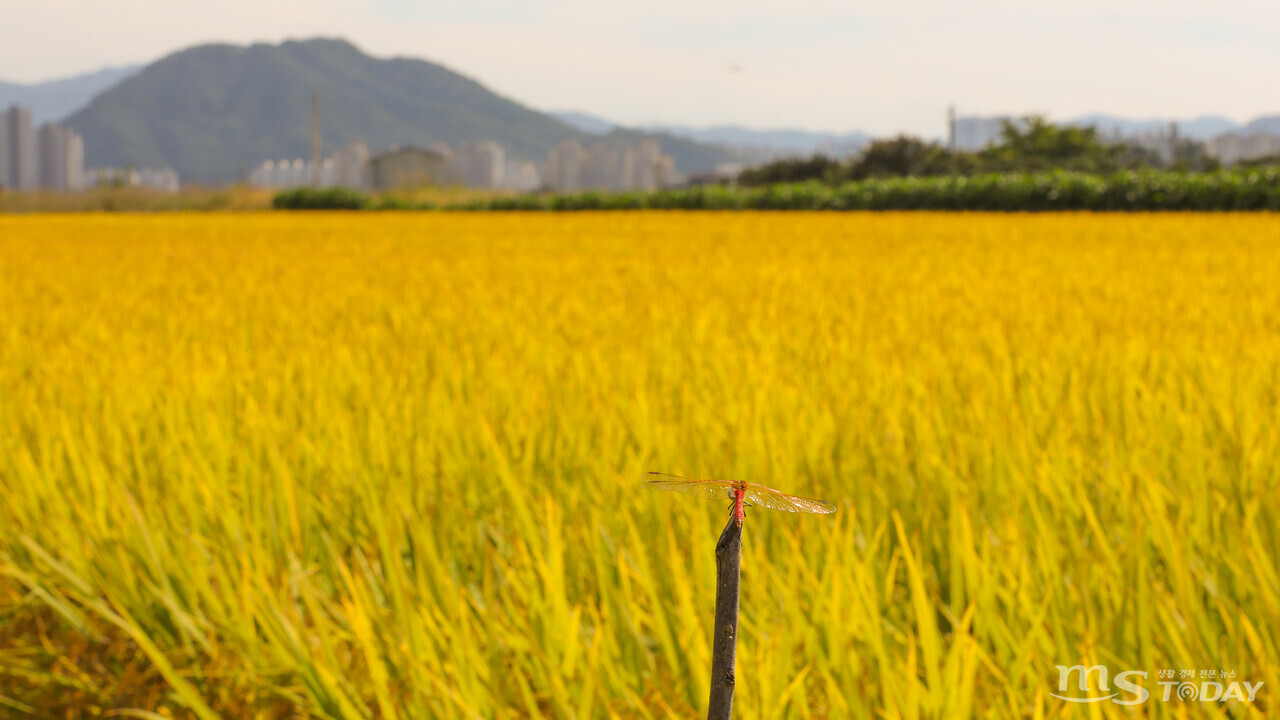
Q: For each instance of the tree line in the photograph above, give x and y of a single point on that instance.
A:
(1032, 146)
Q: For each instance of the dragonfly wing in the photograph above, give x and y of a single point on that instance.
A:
(713, 489)
(765, 497)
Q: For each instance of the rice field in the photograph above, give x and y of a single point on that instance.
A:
(369, 465)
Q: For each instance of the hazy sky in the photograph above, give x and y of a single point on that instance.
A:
(876, 66)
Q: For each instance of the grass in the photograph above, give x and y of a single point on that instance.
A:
(372, 465)
(236, 198)
(136, 199)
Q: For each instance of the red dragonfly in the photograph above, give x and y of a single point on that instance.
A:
(742, 493)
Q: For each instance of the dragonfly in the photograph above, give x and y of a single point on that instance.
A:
(742, 494)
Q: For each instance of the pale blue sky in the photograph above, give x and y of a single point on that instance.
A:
(878, 65)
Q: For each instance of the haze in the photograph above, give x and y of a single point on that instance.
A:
(872, 66)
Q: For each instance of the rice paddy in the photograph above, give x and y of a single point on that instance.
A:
(372, 465)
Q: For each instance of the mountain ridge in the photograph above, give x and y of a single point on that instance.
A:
(1202, 127)
(212, 111)
(737, 137)
(54, 100)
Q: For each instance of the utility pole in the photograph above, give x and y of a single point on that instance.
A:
(951, 128)
(951, 138)
(315, 139)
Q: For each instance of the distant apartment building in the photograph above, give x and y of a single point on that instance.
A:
(164, 179)
(444, 150)
(563, 170)
(22, 149)
(570, 167)
(521, 175)
(479, 165)
(61, 158)
(602, 168)
(52, 156)
(283, 173)
(723, 174)
(349, 167)
(1161, 141)
(487, 165)
(971, 134)
(157, 178)
(4, 152)
(1231, 148)
(646, 168)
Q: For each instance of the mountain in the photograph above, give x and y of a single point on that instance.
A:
(213, 111)
(56, 99)
(1204, 127)
(584, 122)
(745, 142)
(799, 142)
(1269, 123)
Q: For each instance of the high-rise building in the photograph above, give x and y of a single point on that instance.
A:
(564, 167)
(665, 168)
(602, 168)
(481, 164)
(4, 153)
(976, 133)
(24, 172)
(646, 167)
(53, 157)
(1231, 148)
(75, 160)
(641, 167)
(299, 173)
(61, 158)
(521, 175)
(351, 166)
(488, 165)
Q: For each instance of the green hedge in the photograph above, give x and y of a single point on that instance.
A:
(1257, 189)
(307, 198)
(1246, 189)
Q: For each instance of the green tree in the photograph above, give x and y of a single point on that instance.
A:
(1036, 144)
(818, 167)
(902, 156)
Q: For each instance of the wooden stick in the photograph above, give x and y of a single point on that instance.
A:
(724, 648)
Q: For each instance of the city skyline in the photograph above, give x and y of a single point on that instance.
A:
(569, 166)
(818, 66)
